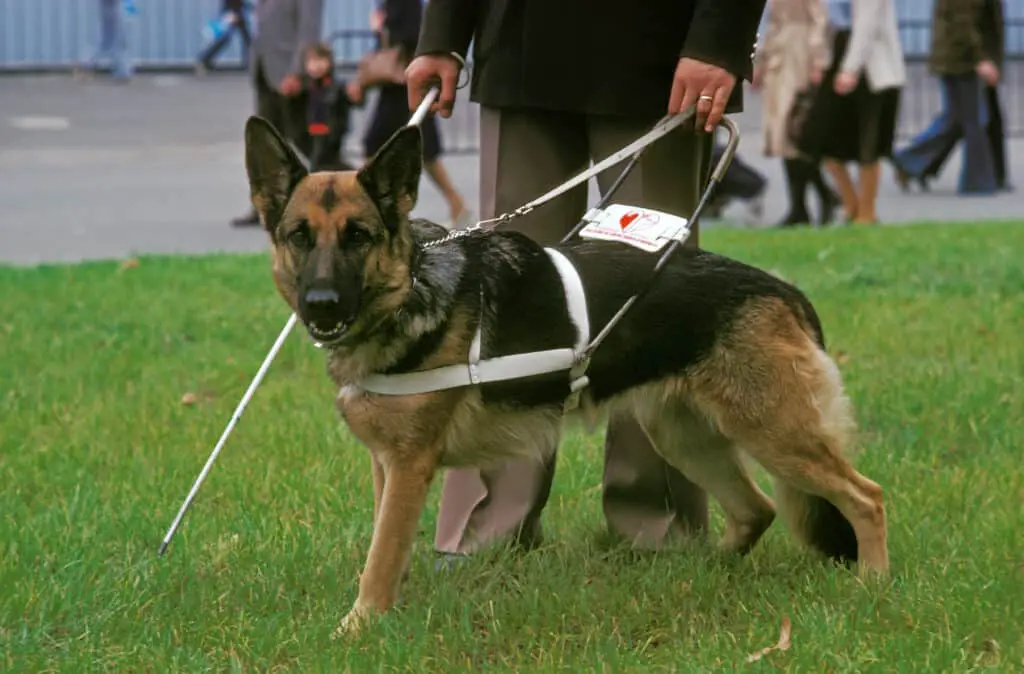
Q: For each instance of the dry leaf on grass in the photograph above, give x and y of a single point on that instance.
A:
(842, 357)
(130, 263)
(196, 397)
(783, 644)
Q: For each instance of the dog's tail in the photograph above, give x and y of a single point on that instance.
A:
(817, 523)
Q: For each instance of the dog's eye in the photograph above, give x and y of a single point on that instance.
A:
(301, 237)
(356, 235)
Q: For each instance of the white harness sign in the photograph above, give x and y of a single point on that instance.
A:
(643, 228)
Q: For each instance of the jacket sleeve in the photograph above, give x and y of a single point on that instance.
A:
(402, 19)
(723, 33)
(964, 18)
(969, 18)
(867, 21)
(311, 17)
(821, 49)
(448, 26)
(992, 31)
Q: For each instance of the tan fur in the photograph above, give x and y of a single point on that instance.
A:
(765, 388)
(773, 392)
(769, 390)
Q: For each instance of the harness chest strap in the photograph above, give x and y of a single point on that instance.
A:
(503, 368)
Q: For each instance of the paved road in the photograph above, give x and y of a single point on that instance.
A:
(99, 170)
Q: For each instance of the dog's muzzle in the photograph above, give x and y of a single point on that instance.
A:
(323, 316)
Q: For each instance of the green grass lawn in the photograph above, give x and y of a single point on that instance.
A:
(97, 451)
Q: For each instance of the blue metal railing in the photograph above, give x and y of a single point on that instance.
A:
(56, 34)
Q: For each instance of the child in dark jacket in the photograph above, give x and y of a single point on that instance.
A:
(327, 112)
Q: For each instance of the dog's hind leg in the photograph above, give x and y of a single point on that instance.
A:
(406, 483)
(795, 422)
(827, 503)
(712, 462)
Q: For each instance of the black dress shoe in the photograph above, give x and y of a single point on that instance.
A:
(250, 219)
(715, 207)
(830, 203)
(794, 220)
(446, 561)
(902, 178)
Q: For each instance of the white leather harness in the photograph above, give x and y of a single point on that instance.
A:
(503, 368)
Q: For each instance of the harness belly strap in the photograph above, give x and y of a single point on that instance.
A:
(503, 368)
(575, 298)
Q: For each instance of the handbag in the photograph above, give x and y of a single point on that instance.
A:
(800, 113)
(382, 66)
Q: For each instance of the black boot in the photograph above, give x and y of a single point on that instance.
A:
(796, 185)
(830, 199)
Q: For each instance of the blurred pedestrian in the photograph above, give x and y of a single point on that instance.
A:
(396, 24)
(113, 46)
(853, 118)
(562, 84)
(993, 32)
(232, 19)
(327, 109)
(283, 30)
(741, 182)
(947, 133)
(965, 63)
(791, 60)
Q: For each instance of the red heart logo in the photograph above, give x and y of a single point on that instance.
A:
(627, 219)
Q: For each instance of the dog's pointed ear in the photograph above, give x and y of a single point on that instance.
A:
(274, 170)
(392, 176)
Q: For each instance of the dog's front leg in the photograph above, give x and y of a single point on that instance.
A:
(407, 481)
(378, 486)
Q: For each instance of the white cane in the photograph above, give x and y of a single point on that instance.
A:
(417, 118)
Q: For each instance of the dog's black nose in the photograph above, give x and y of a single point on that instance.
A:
(321, 298)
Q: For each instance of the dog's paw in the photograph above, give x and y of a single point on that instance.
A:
(352, 623)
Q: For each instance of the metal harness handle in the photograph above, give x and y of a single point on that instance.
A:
(578, 380)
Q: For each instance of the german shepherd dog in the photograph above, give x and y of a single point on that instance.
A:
(715, 358)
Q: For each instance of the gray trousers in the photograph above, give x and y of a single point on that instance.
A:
(522, 155)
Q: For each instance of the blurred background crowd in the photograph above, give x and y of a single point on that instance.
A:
(320, 70)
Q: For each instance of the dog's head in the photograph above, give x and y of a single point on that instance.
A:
(341, 240)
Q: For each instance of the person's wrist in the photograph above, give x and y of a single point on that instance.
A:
(449, 55)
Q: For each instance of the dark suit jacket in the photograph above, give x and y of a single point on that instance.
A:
(590, 56)
(993, 30)
(402, 21)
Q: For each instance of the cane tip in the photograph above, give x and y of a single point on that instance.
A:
(162, 550)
